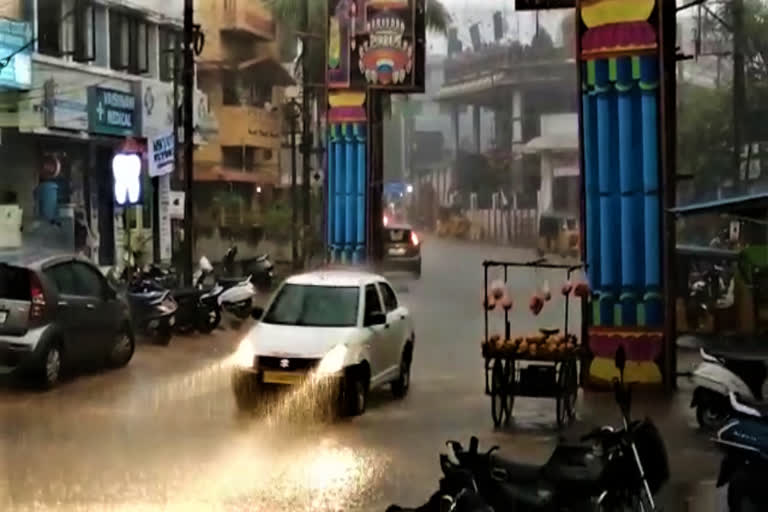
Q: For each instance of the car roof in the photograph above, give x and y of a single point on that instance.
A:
(398, 226)
(35, 259)
(335, 278)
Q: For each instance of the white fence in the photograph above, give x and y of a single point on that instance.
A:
(504, 226)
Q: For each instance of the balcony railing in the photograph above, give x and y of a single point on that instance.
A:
(249, 17)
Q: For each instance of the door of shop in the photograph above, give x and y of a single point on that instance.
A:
(106, 206)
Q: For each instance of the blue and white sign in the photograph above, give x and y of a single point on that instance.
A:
(161, 155)
(15, 54)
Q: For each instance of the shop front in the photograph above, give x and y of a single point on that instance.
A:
(68, 131)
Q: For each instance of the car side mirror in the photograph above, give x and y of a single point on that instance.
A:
(257, 313)
(375, 318)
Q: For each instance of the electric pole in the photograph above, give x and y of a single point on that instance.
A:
(739, 92)
(306, 136)
(188, 83)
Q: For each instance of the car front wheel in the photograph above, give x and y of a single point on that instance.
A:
(354, 396)
(121, 352)
(403, 383)
(245, 390)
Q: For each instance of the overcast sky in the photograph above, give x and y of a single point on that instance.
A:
(520, 26)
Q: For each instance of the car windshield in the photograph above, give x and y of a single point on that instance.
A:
(314, 306)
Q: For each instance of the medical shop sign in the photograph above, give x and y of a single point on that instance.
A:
(112, 112)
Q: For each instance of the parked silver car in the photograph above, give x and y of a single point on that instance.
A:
(58, 314)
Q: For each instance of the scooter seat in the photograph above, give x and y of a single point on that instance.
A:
(185, 293)
(229, 282)
(755, 408)
(512, 471)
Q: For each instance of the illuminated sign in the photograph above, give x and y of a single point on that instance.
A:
(126, 170)
(535, 5)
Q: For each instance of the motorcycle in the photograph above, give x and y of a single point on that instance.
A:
(237, 297)
(744, 468)
(261, 270)
(721, 372)
(198, 306)
(152, 307)
(609, 470)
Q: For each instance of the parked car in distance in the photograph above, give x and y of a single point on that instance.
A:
(402, 249)
(58, 314)
(343, 326)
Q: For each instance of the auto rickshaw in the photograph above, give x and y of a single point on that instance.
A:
(559, 234)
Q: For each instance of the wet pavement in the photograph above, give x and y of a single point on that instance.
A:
(163, 434)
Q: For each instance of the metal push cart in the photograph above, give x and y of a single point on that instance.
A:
(510, 371)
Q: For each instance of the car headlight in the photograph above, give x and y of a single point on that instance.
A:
(245, 357)
(333, 361)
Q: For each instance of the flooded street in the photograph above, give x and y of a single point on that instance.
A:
(163, 433)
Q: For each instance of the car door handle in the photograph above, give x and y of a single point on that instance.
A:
(402, 317)
(90, 306)
(63, 303)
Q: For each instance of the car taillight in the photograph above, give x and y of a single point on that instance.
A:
(37, 297)
(414, 238)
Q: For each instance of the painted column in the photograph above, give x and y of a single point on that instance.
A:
(610, 210)
(329, 178)
(361, 188)
(649, 84)
(591, 188)
(350, 232)
(630, 182)
(338, 194)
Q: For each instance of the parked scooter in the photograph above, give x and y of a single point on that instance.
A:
(152, 307)
(261, 270)
(721, 372)
(745, 465)
(619, 470)
(198, 306)
(237, 297)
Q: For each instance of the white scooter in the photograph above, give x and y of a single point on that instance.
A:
(237, 297)
(719, 374)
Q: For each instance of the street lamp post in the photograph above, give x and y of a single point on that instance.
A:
(292, 113)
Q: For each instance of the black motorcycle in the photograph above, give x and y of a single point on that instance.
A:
(261, 269)
(153, 310)
(610, 470)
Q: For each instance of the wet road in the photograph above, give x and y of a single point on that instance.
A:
(162, 434)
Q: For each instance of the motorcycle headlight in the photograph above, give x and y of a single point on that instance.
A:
(333, 361)
(245, 357)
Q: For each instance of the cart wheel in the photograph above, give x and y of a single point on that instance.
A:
(509, 386)
(568, 389)
(498, 392)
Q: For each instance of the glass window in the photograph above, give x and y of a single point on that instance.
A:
(89, 283)
(314, 306)
(390, 299)
(63, 276)
(372, 300)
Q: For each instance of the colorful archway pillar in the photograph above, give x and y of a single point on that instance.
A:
(619, 54)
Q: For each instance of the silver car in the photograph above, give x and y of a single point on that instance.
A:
(57, 314)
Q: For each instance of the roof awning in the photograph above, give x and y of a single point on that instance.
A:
(271, 68)
(552, 142)
(738, 204)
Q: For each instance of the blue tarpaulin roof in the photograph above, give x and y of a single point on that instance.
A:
(732, 204)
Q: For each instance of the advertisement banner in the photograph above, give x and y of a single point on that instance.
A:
(16, 42)
(161, 155)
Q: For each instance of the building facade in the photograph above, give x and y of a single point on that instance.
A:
(238, 170)
(99, 74)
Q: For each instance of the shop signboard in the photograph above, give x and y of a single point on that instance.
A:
(16, 48)
(112, 112)
(164, 204)
(157, 111)
(161, 151)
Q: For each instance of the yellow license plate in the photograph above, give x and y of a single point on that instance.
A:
(282, 378)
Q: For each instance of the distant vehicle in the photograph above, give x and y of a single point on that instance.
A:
(402, 249)
(58, 314)
(345, 326)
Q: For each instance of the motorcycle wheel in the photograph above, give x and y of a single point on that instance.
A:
(712, 414)
(242, 313)
(208, 320)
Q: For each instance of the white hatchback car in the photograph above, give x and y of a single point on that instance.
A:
(345, 325)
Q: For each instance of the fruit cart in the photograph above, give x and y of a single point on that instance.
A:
(541, 365)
